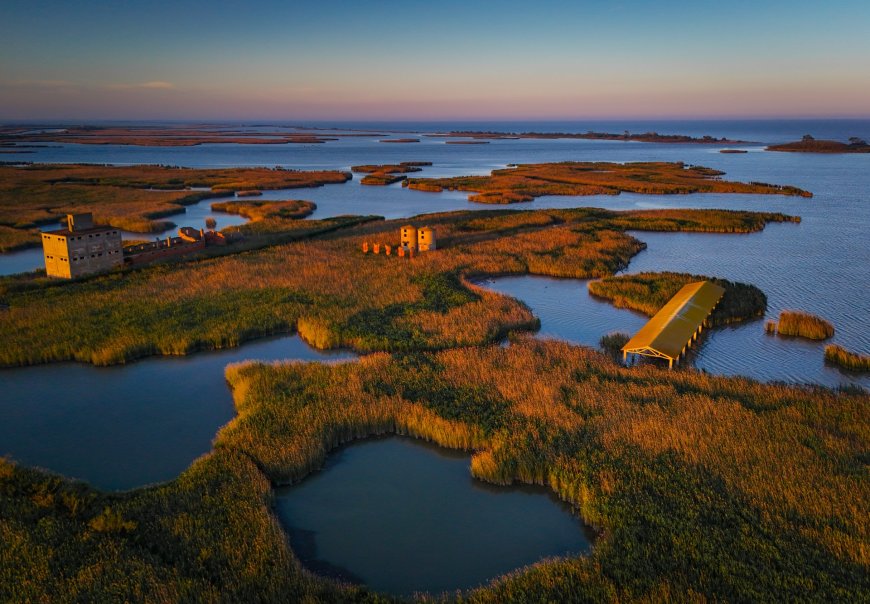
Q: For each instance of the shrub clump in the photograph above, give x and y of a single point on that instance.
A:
(612, 343)
(111, 521)
(804, 325)
(847, 359)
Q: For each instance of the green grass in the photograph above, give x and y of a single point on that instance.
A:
(223, 297)
(702, 487)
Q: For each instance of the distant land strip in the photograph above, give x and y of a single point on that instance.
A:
(646, 137)
(808, 144)
(160, 136)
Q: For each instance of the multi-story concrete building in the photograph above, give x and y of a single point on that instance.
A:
(426, 239)
(409, 237)
(81, 248)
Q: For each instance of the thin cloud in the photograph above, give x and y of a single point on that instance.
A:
(154, 85)
(157, 84)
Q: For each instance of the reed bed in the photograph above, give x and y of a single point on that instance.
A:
(130, 197)
(290, 209)
(611, 344)
(387, 174)
(842, 357)
(366, 302)
(528, 181)
(804, 325)
(722, 488)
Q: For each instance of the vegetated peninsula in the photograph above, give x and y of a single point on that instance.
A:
(694, 481)
(718, 487)
(291, 209)
(132, 198)
(346, 299)
(385, 174)
(646, 137)
(525, 182)
(809, 144)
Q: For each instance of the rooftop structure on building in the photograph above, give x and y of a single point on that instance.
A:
(671, 331)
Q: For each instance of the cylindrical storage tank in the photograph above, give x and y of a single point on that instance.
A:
(425, 239)
(409, 236)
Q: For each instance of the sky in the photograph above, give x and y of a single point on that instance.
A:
(433, 59)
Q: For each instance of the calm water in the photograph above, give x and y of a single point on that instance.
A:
(402, 516)
(129, 425)
(821, 265)
(568, 312)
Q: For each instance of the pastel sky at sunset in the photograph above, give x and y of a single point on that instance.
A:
(330, 59)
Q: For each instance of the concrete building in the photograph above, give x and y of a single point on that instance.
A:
(425, 239)
(409, 237)
(82, 248)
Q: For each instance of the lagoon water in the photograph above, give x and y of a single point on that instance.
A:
(128, 425)
(569, 312)
(402, 516)
(821, 265)
(392, 513)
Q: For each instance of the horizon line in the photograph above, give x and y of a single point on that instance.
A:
(730, 118)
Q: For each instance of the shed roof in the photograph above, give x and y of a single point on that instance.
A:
(673, 326)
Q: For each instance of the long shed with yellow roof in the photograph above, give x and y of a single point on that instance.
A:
(679, 323)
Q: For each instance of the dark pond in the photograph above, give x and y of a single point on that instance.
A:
(400, 516)
(128, 425)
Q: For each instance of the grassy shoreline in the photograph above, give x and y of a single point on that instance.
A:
(719, 487)
(525, 182)
(131, 198)
(348, 300)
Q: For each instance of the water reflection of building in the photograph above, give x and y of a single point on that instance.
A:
(81, 248)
